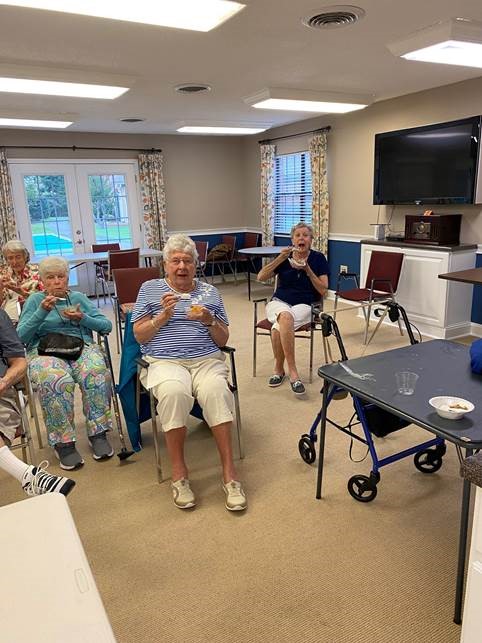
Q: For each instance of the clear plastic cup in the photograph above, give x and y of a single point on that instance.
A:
(196, 309)
(406, 382)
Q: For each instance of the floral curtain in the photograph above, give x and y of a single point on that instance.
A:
(267, 193)
(153, 195)
(8, 227)
(320, 197)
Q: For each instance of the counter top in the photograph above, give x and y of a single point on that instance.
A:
(471, 469)
(463, 247)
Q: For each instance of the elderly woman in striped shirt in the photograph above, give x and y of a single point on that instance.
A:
(181, 324)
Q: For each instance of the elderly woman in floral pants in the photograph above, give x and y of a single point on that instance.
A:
(59, 310)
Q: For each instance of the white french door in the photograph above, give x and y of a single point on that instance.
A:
(62, 208)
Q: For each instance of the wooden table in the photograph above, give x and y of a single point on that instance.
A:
(472, 276)
(259, 252)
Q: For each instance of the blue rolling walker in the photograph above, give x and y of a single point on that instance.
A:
(374, 420)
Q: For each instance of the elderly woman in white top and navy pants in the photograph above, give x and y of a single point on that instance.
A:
(181, 324)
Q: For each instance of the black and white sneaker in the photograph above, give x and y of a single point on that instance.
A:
(36, 481)
(68, 456)
(101, 447)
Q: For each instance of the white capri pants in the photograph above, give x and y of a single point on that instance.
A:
(176, 383)
(301, 313)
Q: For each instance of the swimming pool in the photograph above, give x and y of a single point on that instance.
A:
(51, 244)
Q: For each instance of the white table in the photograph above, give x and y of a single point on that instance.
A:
(94, 257)
(256, 253)
(47, 591)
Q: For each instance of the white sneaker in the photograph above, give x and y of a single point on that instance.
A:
(182, 494)
(36, 481)
(235, 496)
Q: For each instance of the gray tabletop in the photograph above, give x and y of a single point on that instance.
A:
(443, 368)
(93, 257)
(263, 251)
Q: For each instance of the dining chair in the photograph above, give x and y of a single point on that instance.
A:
(101, 266)
(117, 259)
(263, 327)
(223, 256)
(202, 251)
(380, 286)
(127, 283)
(251, 240)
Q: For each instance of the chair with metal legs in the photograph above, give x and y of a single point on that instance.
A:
(196, 410)
(263, 327)
(380, 286)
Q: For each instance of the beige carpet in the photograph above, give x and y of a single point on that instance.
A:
(291, 569)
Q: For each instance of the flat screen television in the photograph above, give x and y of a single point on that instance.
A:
(433, 164)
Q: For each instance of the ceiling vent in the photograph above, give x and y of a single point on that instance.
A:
(192, 88)
(334, 17)
(132, 119)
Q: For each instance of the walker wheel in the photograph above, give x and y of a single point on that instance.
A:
(362, 488)
(307, 449)
(428, 461)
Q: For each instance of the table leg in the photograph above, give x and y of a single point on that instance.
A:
(464, 521)
(321, 438)
(249, 284)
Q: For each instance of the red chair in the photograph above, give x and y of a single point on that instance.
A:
(117, 259)
(380, 286)
(251, 240)
(202, 251)
(263, 327)
(127, 282)
(101, 266)
(223, 258)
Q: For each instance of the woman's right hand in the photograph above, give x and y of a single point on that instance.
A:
(285, 253)
(48, 302)
(168, 303)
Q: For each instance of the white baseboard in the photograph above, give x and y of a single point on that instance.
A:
(476, 329)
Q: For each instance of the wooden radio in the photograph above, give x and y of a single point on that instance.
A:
(434, 229)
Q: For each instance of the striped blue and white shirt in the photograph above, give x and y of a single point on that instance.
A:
(180, 338)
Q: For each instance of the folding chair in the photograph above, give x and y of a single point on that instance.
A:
(222, 258)
(202, 251)
(127, 282)
(101, 266)
(117, 259)
(196, 410)
(263, 327)
(251, 240)
(23, 437)
(380, 286)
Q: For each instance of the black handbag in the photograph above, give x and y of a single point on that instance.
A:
(63, 346)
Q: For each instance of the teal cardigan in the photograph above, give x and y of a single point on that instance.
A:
(35, 321)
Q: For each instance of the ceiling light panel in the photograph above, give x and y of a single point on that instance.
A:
(453, 42)
(56, 88)
(212, 129)
(308, 101)
(196, 15)
(33, 123)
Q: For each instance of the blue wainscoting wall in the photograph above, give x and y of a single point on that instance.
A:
(476, 316)
(346, 253)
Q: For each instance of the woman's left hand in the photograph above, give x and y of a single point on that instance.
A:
(73, 314)
(200, 314)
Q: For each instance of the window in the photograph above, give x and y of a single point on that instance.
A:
(292, 191)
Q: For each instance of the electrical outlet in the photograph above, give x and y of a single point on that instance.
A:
(343, 268)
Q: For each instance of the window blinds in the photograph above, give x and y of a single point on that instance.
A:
(292, 191)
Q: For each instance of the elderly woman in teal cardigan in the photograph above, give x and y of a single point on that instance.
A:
(58, 310)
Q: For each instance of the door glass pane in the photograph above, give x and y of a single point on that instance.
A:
(108, 195)
(49, 214)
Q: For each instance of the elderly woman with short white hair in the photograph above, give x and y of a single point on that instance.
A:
(45, 316)
(181, 324)
(18, 277)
